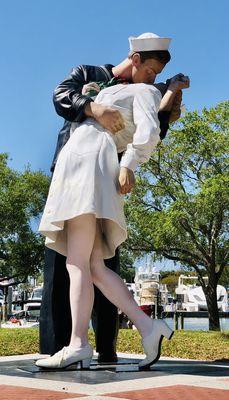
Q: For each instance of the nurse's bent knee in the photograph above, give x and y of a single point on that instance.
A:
(96, 267)
(77, 262)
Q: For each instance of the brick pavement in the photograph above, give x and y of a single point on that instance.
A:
(170, 379)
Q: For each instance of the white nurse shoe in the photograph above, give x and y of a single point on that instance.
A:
(68, 356)
(152, 343)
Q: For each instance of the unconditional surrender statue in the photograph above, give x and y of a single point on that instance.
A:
(142, 65)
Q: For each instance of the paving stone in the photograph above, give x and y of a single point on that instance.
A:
(98, 382)
(96, 398)
(176, 392)
(24, 393)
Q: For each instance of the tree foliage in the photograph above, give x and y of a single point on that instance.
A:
(127, 270)
(22, 198)
(179, 208)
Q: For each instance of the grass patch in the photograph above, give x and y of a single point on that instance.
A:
(18, 341)
(197, 345)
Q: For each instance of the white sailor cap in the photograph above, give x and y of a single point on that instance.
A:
(148, 42)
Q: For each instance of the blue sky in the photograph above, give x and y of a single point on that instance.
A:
(42, 40)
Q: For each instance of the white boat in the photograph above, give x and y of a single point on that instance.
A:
(147, 287)
(192, 297)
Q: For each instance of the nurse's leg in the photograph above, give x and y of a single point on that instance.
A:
(113, 287)
(81, 235)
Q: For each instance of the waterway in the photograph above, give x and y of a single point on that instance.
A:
(197, 324)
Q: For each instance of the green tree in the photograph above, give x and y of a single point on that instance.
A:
(127, 270)
(170, 278)
(22, 198)
(224, 279)
(179, 208)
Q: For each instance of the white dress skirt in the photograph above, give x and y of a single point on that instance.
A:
(85, 180)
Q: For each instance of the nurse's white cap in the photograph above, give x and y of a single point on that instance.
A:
(148, 42)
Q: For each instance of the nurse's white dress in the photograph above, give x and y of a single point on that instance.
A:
(85, 179)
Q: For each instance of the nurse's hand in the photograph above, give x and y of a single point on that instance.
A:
(126, 180)
(176, 107)
(108, 117)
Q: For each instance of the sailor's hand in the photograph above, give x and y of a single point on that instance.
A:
(108, 117)
(126, 180)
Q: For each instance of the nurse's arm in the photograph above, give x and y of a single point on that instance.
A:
(147, 134)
